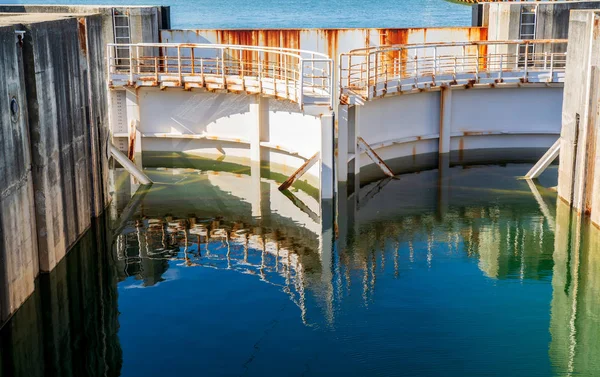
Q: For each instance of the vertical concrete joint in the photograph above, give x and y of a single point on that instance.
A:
(327, 156)
(445, 119)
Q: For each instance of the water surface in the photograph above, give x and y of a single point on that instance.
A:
(217, 273)
(261, 14)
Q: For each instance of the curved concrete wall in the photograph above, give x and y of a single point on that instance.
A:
(222, 125)
(507, 121)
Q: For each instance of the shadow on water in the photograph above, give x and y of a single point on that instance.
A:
(464, 271)
(68, 327)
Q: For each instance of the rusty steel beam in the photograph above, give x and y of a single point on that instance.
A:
(374, 156)
(300, 172)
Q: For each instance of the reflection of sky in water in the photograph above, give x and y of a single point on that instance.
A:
(471, 277)
(413, 292)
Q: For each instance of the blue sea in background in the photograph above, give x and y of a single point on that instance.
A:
(267, 14)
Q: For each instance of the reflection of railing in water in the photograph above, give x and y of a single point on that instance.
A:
(376, 71)
(505, 248)
(213, 245)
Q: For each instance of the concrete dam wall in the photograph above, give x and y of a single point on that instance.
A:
(54, 151)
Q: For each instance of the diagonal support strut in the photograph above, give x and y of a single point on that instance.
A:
(545, 161)
(300, 172)
(373, 156)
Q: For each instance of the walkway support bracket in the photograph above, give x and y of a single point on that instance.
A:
(129, 165)
(374, 156)
(300, 172)
(545, 161)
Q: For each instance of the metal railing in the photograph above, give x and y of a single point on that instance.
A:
(304, 77)
(377, 71)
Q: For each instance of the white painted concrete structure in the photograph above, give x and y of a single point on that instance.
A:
(248, 104)
(412, 101)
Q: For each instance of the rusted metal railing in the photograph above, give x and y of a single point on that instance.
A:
(304, 77)
(377, 71)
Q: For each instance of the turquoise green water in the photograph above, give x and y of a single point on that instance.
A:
(237, 14)
(219, 274)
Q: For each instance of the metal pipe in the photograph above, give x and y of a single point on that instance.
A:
(129, 165)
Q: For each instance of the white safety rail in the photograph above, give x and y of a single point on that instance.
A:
(304, 77)
(378, 71)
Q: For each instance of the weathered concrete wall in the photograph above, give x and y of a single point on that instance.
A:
(18, 246)
(503, 19)
(69, 326)
(145, 21)
(54, 148)
(59, 137)
(578, 182)
(92, 47)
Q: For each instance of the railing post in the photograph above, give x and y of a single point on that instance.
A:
(368, 75)
(312, 70)
(545, 60)
(416, 62)
(192, 57)
(331, 91)
(464, 53)
(130, 65)
(223, 67)
(202, 71)
(156, 69)
(376, 74)
(501, 66)
(260, 71)
(551, 67)
(301, 83)
(477, 63)
(526, 60)
(179, 65)
(137, 55)
(435, 62)
(285, 70)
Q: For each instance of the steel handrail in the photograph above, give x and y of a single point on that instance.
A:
(434, 64)
(309, 72)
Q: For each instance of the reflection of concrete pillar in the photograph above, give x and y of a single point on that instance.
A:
(565, 347)
(443, 184)
(326, 253)
(260, 129)
(346, 215)
(445, 119)
(327, 171)
(255, 197)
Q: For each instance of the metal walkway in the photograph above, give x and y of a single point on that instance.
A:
(304, 77)
(375, 72)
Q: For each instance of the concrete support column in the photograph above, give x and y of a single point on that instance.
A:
(445, 119)
(134, 139)
(342, 145)
(578, 177)
(260, 129)
(327, 159)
